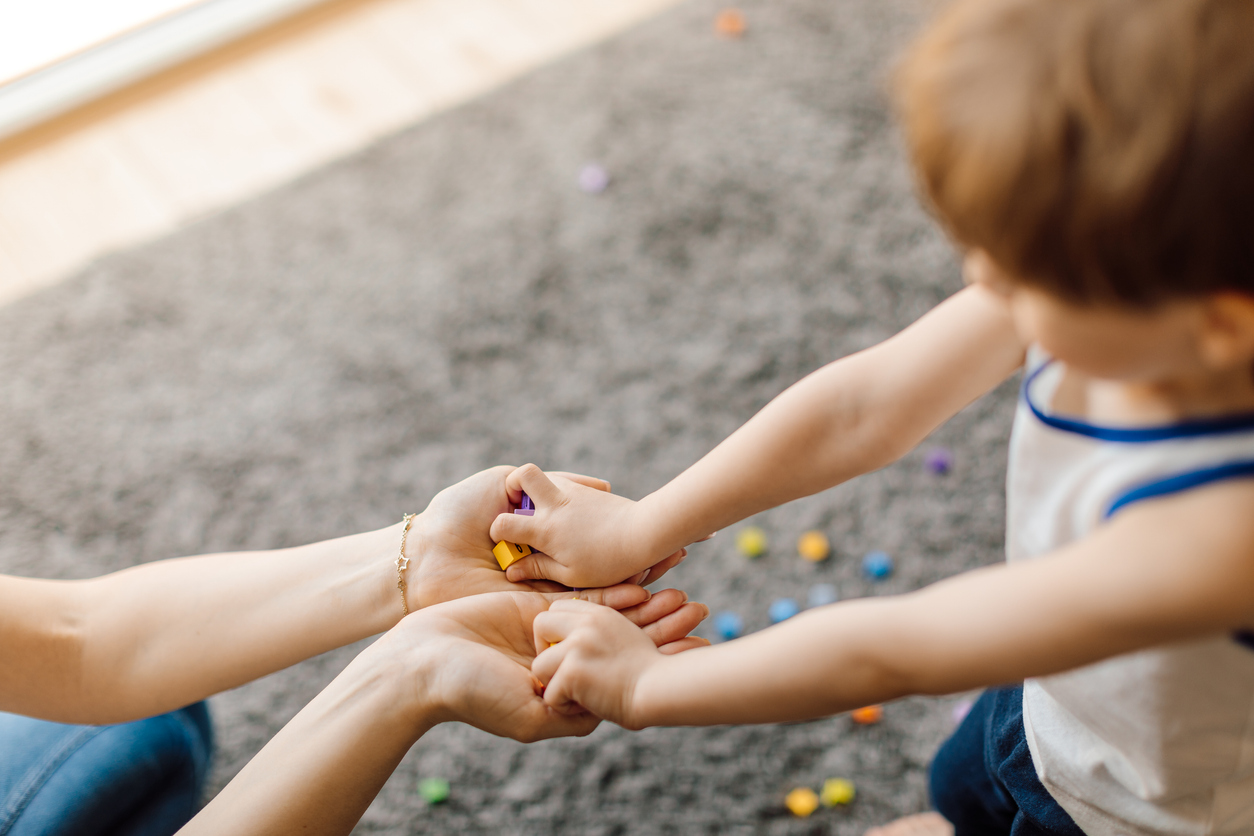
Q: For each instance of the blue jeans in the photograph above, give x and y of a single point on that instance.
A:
(983, 780)
(134, 779)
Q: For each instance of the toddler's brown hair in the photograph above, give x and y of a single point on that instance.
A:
(1102, 150)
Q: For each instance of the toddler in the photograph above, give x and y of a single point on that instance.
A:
(1095, 161)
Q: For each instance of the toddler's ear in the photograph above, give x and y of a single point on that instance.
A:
(1227, 337)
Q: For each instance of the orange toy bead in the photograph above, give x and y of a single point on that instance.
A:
(730, 23)
(869, 715)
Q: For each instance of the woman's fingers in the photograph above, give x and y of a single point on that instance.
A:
(661, 568)
(619, 597)
(687, 643)
(676, 624)
(659, 605)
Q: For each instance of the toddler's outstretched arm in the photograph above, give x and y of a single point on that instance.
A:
(852, 416)
(1161, 571)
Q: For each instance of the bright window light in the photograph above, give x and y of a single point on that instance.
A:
(37, 33)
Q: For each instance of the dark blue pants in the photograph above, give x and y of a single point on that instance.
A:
(983, 780)
(132, 779)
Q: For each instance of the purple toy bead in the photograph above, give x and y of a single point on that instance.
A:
(939, 460)
(528, 508)
(593, 179)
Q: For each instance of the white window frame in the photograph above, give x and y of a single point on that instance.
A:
(80, 78)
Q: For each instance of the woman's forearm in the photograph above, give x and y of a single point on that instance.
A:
(162, 635)
(320, 773)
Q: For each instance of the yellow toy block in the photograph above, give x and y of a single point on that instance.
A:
(507, 553)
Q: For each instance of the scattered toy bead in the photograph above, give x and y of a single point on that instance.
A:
(961, 710)
(751, 541)
(593, 179)
(802, 802)
(813, 546)
(877, 565)
(730, 23)
(836, 791)
(783, 609)
(868, 715)
(939, 460)
(822, 594)
(434, 790)
(728, 625)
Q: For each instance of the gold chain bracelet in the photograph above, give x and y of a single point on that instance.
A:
(402, 562)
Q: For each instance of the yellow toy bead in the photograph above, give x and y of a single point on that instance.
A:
(802, 802)
(836, 791)
(813, 546)
(751, 541)
(507, 553)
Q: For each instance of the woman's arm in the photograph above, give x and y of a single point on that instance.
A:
(1167, 570)
(467, 660)
(159, 636)
(852, 416)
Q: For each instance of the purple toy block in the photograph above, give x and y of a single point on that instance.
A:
(527, 504)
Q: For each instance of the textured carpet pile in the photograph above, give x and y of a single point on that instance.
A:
(323, 358)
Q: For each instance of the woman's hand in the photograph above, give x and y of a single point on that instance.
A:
(474, 655)
(466, 660)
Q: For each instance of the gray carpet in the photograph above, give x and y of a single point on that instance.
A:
(325, 357)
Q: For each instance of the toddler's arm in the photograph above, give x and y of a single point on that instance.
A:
(855, 415)
(1161, 571)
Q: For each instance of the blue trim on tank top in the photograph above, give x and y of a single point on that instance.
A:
(1183, 482)
(1136, 435)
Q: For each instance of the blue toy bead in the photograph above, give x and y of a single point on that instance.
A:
(877, 565)
(822, 594)
(728, 625)
(783, 609)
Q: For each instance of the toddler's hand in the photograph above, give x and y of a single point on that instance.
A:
(449, 544)
(592, 658)
(586, 536)
(474, 654)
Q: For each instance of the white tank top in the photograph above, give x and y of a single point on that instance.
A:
(1161, 741)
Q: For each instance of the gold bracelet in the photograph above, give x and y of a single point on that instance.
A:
(402, 562)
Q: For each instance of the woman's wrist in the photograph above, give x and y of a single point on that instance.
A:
(404, 549)
(404, 670)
